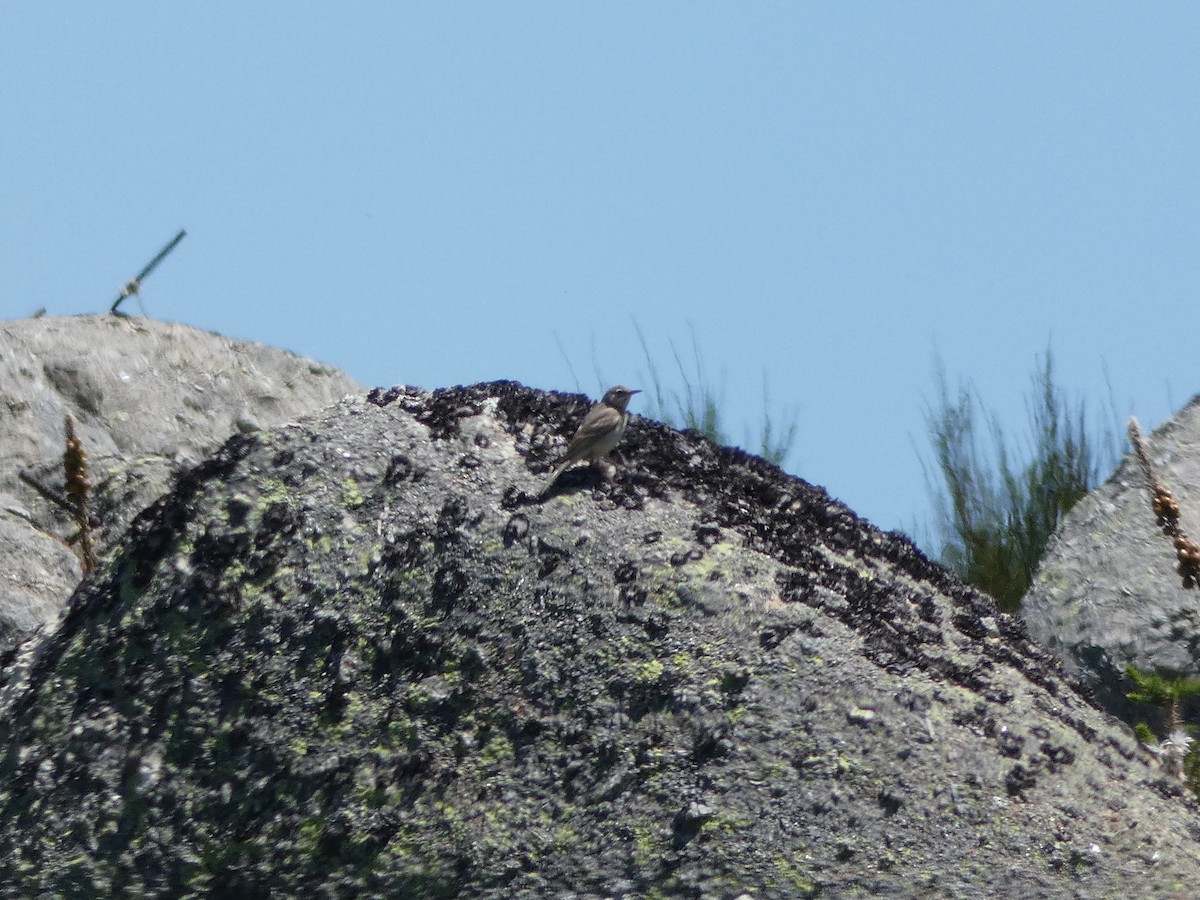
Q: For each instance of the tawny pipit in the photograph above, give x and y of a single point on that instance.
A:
(601, 430)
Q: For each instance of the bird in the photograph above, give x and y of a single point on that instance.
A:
(599, 432)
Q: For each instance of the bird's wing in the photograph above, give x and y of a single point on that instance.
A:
(597, 423)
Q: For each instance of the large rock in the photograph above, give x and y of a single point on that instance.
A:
(1107, 594)
(355, 657)
(149, 398)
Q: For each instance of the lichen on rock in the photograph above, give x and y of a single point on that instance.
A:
(356, 656)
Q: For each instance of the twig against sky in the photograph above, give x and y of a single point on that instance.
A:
(135, 284)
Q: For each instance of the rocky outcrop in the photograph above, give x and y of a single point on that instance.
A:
(150, 399)
(356, 657)
(1106, 594)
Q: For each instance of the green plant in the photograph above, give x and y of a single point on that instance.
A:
(697, 408)
(994, 515)
(776, 442)
(698, 405)
(1162, 691)
(1179, 754)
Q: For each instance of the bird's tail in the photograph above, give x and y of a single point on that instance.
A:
(558, 470)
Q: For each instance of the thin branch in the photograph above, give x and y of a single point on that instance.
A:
(135, 284)
(56, 497)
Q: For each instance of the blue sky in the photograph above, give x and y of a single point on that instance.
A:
(825, 194)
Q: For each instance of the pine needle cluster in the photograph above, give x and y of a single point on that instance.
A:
(995, 514)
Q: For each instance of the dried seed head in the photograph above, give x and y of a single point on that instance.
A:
(1166, 512)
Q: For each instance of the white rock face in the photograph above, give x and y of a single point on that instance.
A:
(149, 398)
(1107, 594)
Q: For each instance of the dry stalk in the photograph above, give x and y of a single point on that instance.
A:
(1166, 512)
(79, 490)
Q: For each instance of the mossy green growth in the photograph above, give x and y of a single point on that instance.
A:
(498, 750)
(352, 496)
(649, 842)
(310, 834)
(724, 823)
(649, 671)
(792, 878)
